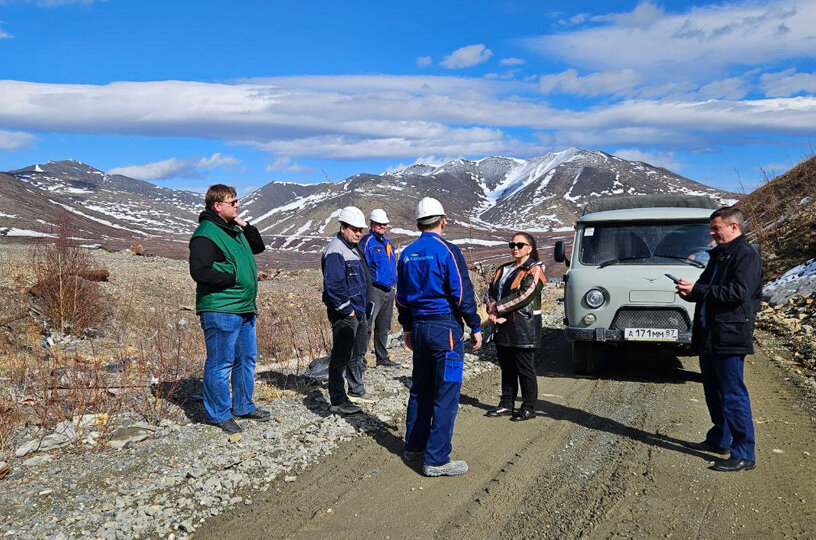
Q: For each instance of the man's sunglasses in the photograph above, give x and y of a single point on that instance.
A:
(518, 245)
(233, 202)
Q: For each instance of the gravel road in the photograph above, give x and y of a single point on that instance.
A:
(603, 460)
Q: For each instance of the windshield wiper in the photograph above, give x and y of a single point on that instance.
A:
(616, 261)
(686, 260)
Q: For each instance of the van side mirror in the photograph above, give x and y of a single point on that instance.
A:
(558, 252)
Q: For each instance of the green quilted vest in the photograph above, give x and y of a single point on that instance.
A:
(240, 298)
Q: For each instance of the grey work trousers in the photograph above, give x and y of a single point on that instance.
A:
(380, 322)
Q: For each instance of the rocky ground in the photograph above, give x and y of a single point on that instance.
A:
(590, 467)
(139, 476)
(182, 475)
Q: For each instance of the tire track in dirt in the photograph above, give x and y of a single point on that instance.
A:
(604, 460)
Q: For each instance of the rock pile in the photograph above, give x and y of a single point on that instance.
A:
(795, 322)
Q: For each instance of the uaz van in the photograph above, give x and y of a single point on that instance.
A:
(618, 289)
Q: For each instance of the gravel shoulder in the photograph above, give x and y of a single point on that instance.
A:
(604, 460)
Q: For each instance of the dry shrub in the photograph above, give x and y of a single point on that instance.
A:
(301, 333)
(69, 302)
(174, 352)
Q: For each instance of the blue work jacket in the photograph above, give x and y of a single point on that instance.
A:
(433, 279)
(381, 257)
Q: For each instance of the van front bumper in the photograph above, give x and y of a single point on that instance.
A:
(579, 333)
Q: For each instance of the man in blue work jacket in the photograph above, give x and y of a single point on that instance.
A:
(381, 258)
(434, 296)
(727, 295)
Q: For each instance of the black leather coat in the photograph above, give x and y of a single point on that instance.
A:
(519, 302)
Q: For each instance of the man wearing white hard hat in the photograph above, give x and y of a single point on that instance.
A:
(381, 258)
(434, 299)
(345, 292)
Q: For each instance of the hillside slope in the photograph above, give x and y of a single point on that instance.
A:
(782, 217)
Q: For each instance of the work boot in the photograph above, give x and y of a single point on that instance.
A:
(413, 455)
(365, 398)
(229, 426)
(451, 468)
(258, 414)
(388, 363)
(346, 408)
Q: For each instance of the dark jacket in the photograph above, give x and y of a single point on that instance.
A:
(727, 295)
(519, 301)
(203, 253)
(345, 278)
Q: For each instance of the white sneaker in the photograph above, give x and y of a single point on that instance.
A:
(365, 398)
(451, 468)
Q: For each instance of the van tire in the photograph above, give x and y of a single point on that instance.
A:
(587, 357)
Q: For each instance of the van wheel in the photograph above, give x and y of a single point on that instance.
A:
(587, 356)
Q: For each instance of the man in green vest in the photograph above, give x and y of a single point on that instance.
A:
(222, 263)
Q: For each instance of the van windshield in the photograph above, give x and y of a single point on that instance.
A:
(646, 243)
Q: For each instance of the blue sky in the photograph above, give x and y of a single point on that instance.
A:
(186, 93)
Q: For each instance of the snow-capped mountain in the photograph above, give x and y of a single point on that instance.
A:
(485, 199)
(136, 204)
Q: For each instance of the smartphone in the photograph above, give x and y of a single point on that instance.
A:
(673, 278)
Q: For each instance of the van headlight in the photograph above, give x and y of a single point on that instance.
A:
(594, 298)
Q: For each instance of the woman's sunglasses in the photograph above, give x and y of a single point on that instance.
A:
(518, 245)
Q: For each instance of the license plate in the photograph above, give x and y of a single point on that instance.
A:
(650, 334)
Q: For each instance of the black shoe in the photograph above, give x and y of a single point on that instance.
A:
(522, 415)
(258, 414)
(734, 464)
(388, 363)
(706, 446)
(499, 411)
(229, 426)
(347, 408)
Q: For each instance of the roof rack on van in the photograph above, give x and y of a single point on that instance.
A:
(649, 201)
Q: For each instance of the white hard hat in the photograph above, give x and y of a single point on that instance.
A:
(429, 207)
(351, 215)
(378, 215)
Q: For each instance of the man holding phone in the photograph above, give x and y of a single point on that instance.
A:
(727, 295)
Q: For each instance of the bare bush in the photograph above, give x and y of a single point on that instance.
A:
(68, 300)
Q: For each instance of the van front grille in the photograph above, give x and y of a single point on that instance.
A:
(650, 318)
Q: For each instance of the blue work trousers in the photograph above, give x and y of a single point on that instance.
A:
(231, 353)
(728, 404)
(437, 379)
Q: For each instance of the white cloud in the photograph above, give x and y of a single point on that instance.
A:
(15, 140)
(4, 34)
(701, 40)
(731, 88)
(788, 83)
(593, 84)
(468, 56)
(174, 167)
(645, 14)
(284, 163)
(503, 76)
(512, 62)
(398, 118)
(667, 160)
(424, 61)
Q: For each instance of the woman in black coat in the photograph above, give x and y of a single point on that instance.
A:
(514, 306)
